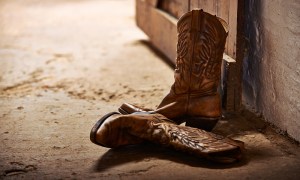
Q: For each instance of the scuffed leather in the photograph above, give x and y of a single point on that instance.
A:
(119, 130)
(201, 43)
(194, 94)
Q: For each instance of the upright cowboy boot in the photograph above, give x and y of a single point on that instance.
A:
(114, 130)
(194, 96)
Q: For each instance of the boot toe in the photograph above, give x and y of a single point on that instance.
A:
(97, 126)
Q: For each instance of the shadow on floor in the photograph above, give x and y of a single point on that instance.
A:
(157, 52)
(148, 151)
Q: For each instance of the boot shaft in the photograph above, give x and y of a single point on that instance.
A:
(200, 47)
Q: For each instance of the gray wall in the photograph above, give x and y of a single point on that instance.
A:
(271, 68)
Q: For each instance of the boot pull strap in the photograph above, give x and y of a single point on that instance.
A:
(224, 24)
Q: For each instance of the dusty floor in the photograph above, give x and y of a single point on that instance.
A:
(66, 63)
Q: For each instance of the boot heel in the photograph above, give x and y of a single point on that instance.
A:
(122, 111)
(202, 122)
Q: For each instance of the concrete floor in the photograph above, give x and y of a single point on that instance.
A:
(65, 63)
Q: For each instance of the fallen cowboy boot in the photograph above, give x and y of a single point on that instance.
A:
(115, 130)
(194, 96)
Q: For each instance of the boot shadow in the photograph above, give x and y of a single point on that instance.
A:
(157, 52)
(150, 152)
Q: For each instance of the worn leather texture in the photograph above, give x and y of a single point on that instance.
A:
(119, 130)
(194, 96)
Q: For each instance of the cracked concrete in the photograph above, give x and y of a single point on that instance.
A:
(64, 64)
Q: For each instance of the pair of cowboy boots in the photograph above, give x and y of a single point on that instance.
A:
(194, 99)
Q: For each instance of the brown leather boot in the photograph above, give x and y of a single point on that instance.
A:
(194, 96)
(114, 130)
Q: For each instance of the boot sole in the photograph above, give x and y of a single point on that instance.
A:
(98, 124)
